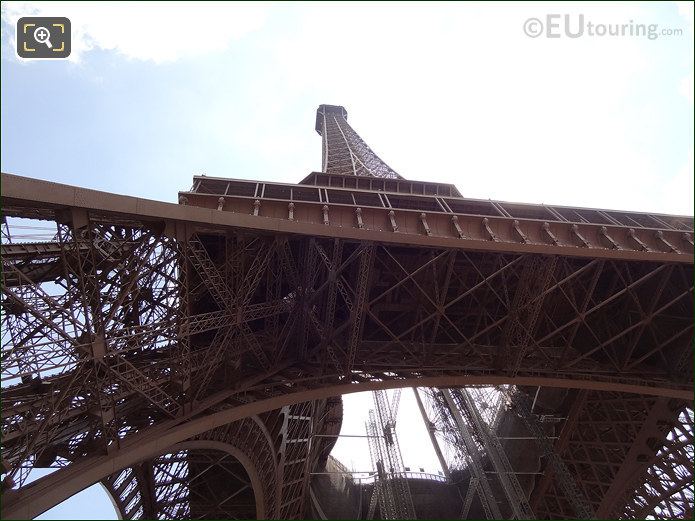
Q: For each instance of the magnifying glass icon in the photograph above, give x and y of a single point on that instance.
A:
(42, 35)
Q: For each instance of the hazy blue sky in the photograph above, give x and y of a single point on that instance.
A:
(155, 93)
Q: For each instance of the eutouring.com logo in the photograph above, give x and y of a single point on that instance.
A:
(576, 26)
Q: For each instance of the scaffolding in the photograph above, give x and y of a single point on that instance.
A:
(521, 403)
(506, 476)
(468, 420)
(391, 491)
(465, 442)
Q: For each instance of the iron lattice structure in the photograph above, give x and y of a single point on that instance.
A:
(344, 152)
(142, 341)
(391, 492)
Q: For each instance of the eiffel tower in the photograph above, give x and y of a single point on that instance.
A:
(191, 357)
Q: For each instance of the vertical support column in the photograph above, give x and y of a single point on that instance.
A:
(572, 492)
(472, 489)
(391, 488)
(430, 431)
(486, 496)
(359, 310)
(510, 484)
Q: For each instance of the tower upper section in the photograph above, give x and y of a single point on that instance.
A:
(344, 151)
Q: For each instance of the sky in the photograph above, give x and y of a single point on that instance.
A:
(154, 93)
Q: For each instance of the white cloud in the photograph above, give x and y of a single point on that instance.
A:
(155, 31)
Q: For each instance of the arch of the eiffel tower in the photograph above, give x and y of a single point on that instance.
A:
(191, 357)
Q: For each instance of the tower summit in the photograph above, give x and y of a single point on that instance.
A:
(344, 151)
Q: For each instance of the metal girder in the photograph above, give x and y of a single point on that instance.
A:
(185, 484)
(294, 458)
(431, 428)
(613, 444)
(344, 152)
(582, 507)
(329, 317)
(568, 427)
(468, 445)
(359, 307)
(474, 319)
(535, 277)
(641, 456)
(391, 491)
(665, 489)
(232, 471)
(468, 501)
(516, 498)
(21, 192)
(394, 405)
(134, 321)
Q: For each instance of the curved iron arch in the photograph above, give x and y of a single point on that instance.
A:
(53, 489)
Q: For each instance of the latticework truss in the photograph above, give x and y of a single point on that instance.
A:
(391, 491)
(131, 328)
(344, 152)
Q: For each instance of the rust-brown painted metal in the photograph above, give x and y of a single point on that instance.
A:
(617, 447)
(475, 232)
(132, 326)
